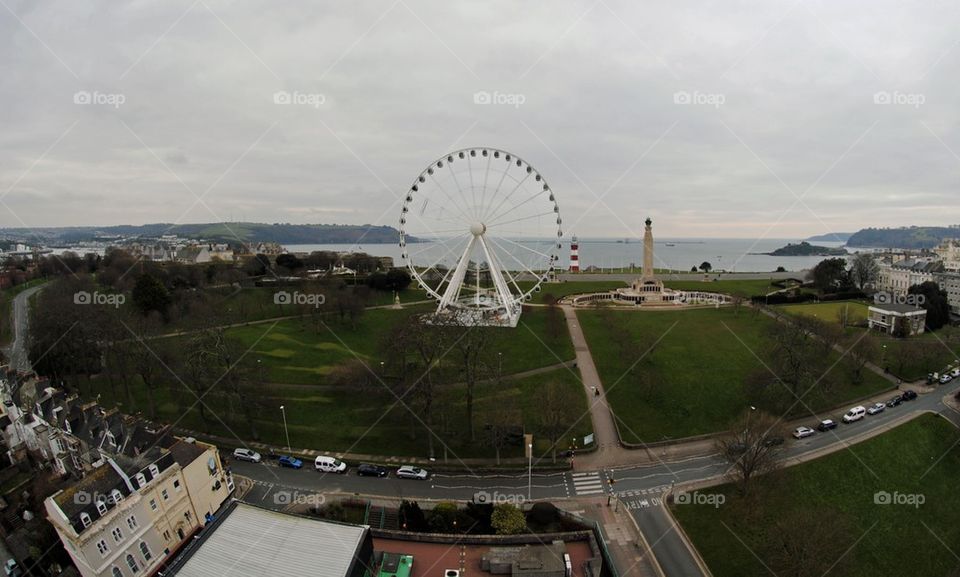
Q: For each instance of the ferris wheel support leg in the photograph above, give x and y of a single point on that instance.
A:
(503, 291)
(453, 289)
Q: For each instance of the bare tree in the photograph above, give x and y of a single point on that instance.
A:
(469, 347)
(864, 270)
(752, 447)
(861, 353)
(558, 405)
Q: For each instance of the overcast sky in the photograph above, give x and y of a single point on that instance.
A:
(726, 119)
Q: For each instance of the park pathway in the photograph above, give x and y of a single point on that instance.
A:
(609, 452)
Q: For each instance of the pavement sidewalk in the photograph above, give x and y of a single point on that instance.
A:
(627, 546)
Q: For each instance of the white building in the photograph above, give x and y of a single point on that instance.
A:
(897, 277)
(949, 253)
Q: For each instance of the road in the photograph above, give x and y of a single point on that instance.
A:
(17, 350)
(640, 489)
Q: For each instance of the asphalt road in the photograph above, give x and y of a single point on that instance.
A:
(17, 351)
(638, 488)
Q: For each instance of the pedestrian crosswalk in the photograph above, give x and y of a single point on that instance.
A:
(587, 483)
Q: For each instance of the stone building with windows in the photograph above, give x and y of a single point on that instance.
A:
(900, 320)
(130, 515)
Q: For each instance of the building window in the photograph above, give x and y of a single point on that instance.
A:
(85, 519)
(116, 572)
(101, 506)
(117, 534)
(164, 494)
(117, 496)
(141, 480)
(102, 547)
(166, 535)
(187, 515)
(132, 563)
(132, 522)
(145, 551)
(176, 484)
(154, 471)
(153, 504)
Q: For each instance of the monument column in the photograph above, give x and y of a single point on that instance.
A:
(648, 250)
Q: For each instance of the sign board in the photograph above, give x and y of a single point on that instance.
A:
(588, 440)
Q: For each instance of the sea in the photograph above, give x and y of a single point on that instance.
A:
(726, 254)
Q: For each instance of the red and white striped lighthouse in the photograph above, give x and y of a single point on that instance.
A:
(574, 255)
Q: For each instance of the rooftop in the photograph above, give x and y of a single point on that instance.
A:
(896, 308)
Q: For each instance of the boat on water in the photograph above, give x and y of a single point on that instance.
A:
(670, 244)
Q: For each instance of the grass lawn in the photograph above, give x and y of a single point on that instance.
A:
(911, 359)
(693, 382)
(920, 457)
(829, 312)
(742, 288)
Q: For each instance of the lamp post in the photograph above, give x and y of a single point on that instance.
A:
(499, 366)
(283, 411)
(528, 438)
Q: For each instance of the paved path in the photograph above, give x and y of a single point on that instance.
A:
(20, 309)
(629, 277)
(609, 452)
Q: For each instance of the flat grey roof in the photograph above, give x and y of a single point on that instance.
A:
(252, 542)
(896, 308)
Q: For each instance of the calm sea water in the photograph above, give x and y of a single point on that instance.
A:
(732, 254)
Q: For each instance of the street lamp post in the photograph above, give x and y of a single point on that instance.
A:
(283, 411)
(499, 366)
(529, 442)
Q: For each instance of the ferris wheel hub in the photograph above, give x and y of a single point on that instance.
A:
(478, 228)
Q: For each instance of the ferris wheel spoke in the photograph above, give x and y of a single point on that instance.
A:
(536, 277)
(513, 208)
(493, 197)
(519, 219)
(473, 190)
(459, 188)
(429, 246)
(524, 247)
(462, 210)
(506, 198)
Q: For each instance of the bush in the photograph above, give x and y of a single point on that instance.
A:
(507, 519)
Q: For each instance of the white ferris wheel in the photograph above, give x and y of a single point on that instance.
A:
(480, 231)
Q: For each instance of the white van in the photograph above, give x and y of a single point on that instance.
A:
(854, 414)
(329, 465)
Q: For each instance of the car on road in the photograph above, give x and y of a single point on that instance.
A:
(895, 401)
(247, 455)
(855, 414)
(368, 470)
(944, 379)
(326, 464)
(11, 568)
(908, 395)
(876, 408)
(772, 440)
(826, 425)
(411, 472)
(955, 373)
(802, 432)
(291, 462)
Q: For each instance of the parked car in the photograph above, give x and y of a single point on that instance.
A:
(876, 408)
(772, 440)
(802, 432)
(326, 464)
(247, 455)
(908, 395)
(11, 568)
(411, 472)
(855, 414)
(826, 425)
(945, 378)
(895, 401)
(955, 373)
(368, 470)
(291, 462)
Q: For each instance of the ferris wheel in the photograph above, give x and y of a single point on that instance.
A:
(480, 231)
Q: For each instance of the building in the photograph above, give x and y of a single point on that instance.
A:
(250, 541)
(131, 515)
(897, 319)
(574, 255)
(897, 277)
(949, 253)
(949, 282)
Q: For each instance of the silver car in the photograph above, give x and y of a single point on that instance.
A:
(247, 455)
(411, 472)
(876, 408)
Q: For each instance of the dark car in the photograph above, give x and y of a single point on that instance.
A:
(908, 395)
(291, 462)
(772, 441)
(894, 401)
(368, 470)
(827, 425)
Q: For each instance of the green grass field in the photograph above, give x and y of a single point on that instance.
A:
(693, 382)
(920, 457)
(830, 312)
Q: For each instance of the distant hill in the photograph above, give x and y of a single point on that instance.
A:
(913, 237)
(223, 232)
(807, 249)
(831, 237)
